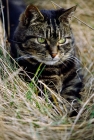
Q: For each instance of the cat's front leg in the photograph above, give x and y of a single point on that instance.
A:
(71, 92)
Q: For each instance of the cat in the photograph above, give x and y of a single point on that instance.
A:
(45, 37)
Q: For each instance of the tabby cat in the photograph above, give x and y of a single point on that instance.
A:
(45, 37)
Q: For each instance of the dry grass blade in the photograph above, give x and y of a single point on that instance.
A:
(56, 5)
(4, 34)
(79, 115)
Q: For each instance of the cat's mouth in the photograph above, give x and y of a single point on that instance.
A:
(47, 60)
(51, 62)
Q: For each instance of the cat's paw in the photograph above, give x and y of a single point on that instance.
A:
(74, 108)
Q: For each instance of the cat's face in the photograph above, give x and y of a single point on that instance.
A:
(46, 35)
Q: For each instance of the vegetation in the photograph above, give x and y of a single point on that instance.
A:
(25, 115)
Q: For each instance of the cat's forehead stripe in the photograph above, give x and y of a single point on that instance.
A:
(53, 29)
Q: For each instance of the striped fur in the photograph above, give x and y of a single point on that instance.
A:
(62, 69)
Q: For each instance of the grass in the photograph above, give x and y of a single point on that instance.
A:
(24, 115)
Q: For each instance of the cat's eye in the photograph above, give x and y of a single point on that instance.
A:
(62, 41)
(41, 40)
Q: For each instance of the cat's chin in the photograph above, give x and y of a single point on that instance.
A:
(53, 62)
(48, 61)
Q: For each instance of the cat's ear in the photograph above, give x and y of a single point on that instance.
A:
(31, 13)
(68, 13)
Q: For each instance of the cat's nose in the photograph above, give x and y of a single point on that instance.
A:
(53, 55)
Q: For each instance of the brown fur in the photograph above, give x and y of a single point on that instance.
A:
(62, 69)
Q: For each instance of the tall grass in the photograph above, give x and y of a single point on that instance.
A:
(26, 116)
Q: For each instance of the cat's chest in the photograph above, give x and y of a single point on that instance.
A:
(53, 77)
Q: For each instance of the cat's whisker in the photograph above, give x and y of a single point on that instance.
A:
(75, 58)
(70, 60)
(63, 63)
(23, 57)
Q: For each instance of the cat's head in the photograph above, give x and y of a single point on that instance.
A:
(45, 35)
